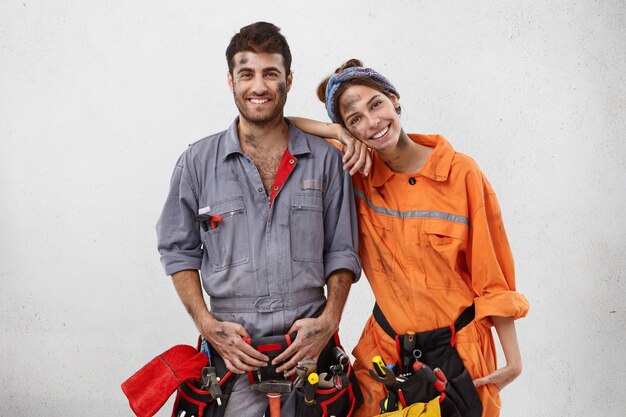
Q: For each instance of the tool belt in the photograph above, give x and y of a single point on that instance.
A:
(270, 346)
(437, 350)
(208, 395)
(340, 400)
(337, 392)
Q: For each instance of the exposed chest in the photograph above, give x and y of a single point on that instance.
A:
(266, 162)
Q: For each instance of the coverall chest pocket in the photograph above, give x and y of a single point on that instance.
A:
(306, 227)
(443, 245)
(227, 241)
(377, 243)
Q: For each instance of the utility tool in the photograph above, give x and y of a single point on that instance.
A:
(424, 372)
(204, 348)
(408, 351)
(310, 387)
(326, 380)
(441, 377)
(389, 403)
(382, 373)
(339, 356)
(209, 382)
(331, 379)
(335, 377)
(303, 370)
(341, 380)
(215, 220)
(379, 366)
(273, 389)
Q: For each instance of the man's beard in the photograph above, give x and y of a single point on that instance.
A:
(262, 120)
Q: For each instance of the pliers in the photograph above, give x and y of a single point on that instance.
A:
(383, 374)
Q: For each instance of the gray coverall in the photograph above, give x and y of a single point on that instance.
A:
(264, 265)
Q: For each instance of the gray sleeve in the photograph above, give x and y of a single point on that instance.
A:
(340, 227)
(177, 230)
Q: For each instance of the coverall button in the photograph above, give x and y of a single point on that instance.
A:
(260, 189)
(412, 181)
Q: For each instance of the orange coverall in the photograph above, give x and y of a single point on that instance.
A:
(431, 244)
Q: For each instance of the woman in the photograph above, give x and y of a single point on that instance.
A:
(432, 242)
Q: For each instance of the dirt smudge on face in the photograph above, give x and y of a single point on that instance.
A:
(348, 99)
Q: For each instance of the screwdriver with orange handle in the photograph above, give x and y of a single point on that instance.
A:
(441, 376)
(423, 371)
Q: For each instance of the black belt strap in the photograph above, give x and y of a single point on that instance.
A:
(463, 320)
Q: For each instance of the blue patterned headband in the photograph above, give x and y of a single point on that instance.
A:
(337, 79)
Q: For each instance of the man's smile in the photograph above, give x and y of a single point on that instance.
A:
(259, 100)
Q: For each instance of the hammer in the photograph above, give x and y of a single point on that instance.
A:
(273, 390)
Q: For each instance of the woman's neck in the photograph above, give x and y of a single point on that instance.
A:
(406, 157)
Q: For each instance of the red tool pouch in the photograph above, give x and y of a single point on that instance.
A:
(200, 403)
(271, 346)
(150, 387)
(338, 401)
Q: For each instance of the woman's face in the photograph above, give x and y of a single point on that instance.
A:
(370, 116)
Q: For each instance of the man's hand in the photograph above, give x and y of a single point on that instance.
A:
(227, 339)
(313, 335)
(224, 337)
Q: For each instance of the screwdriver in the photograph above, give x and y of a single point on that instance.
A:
(310, 387)
(379, 366)
(409, 347)
(423, 371)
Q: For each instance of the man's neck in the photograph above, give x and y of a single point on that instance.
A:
(270, 135)
(264, 145)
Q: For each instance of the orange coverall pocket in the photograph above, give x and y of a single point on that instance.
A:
(443, 244)
(375, 233)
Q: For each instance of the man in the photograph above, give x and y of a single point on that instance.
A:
(266, 214)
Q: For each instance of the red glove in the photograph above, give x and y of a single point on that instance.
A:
(150, 387)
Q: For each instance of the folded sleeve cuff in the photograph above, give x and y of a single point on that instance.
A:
(342, 260)
(501, 304)
(179, 261)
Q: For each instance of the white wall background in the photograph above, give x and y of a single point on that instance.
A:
(98, 99)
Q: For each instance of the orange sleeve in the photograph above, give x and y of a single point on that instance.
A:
(489, 258)
(336, 144)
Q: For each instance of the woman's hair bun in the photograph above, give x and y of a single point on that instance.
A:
(321, 89)
(350, 63)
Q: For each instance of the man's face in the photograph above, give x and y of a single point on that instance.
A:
(260, 86)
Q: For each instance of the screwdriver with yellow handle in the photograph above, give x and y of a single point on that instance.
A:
(383, 373)
(379, 366)
(387, 377)
(310, 387)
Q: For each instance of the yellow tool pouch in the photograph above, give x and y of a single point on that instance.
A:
(429, 409)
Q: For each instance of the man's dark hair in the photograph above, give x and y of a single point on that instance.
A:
(259, 37)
